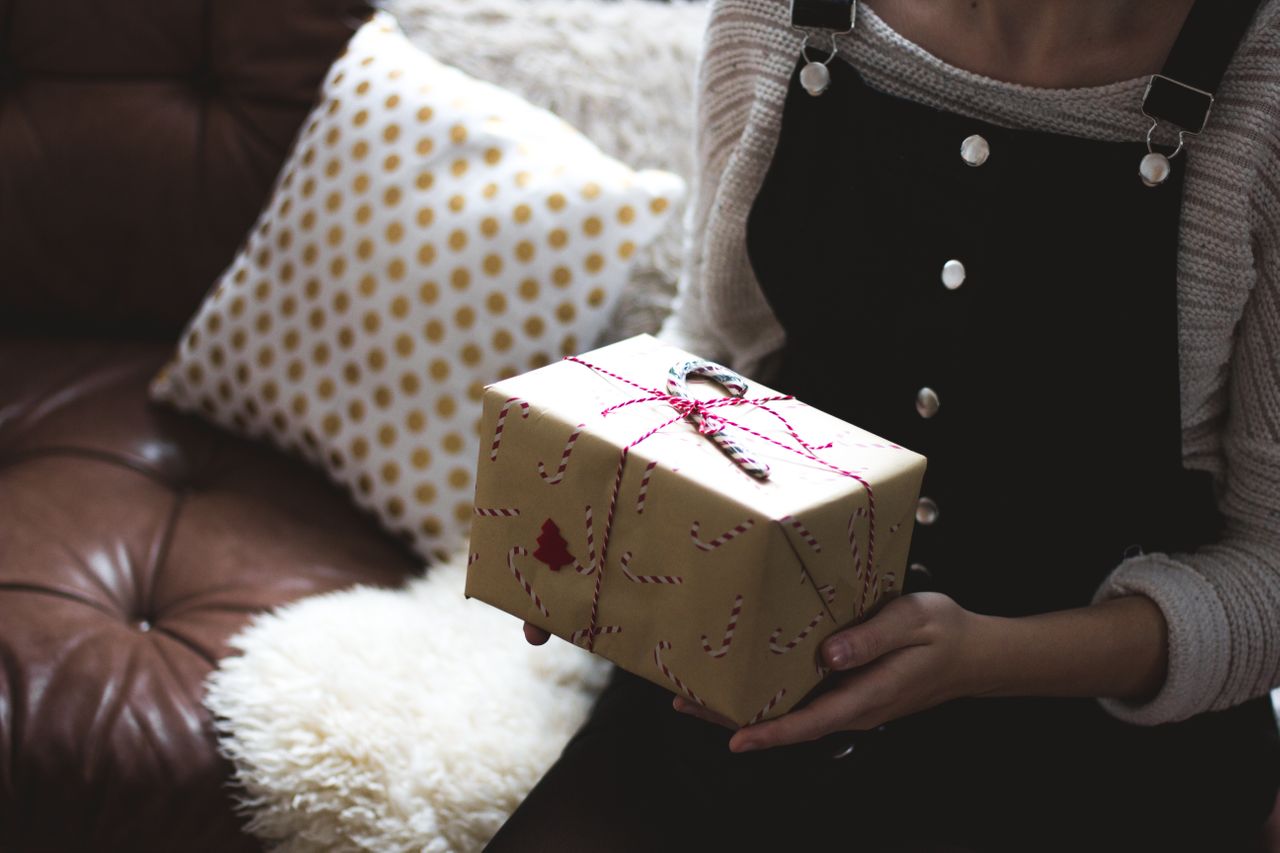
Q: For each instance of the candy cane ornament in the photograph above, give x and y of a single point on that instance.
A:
(728, 536)
(554, 479)
(675, 679)
(797, 640)
(502, 420)
(728, 632)
(497, 512)
(625, 562)
(521, 551)
(579, 635)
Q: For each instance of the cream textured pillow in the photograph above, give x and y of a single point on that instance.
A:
(430, 233)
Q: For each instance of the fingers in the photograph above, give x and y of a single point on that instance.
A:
(693, 709)
(900, 623)
(535, 635)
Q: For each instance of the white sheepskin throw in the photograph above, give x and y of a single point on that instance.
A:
(394, 720)
(622, 72)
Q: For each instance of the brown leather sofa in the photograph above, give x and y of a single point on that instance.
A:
(138, 140)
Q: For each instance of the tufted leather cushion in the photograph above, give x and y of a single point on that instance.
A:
(133, 542)
(138, 139)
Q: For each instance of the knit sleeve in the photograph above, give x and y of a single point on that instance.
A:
(1222, 602)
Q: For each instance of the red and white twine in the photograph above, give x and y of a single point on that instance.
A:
(644, 486)
(497, 511)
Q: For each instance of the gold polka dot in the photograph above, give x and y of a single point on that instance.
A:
(524, 251)
(338, 266)
(391, 132)
(458, 167)
(496, 302)
(488, 226)
(658, 205)
(557, 238)
(434, 330)
(310, 253)
(565, 312)
(400, 307)
(390, 472)
(325, 388)
(457, 239)
(457, 202)
(502, 340)
(594, 262)
(386, 435)
(475, 391)
(263, 324)
(424, 146)
(569, 345)
(355, 410)
(425, 493)
(626, 214)
(529, 289)
(591, 226)
(216, 356)
(364, 249)
(561, 276)
(429, 292)
(471, 354)
(590, 190)
(368, 285)
(416, 421)
(284, 238)
(308, 220)
(404, 345)
(360, 150)
(237, 306)
(556, 201)
(492, 264)
(392, 101)
(458, 133)
(391, 196)
(464, 317)
(459, 477)
(439, 369)
(382, 396)
(295, 370)
(362, 88)
(332, 424)
(364, 484)
(346, 337)
(425, 113)
(376, 359)
(460, 278)
(490, 190)
(596, 297)
(262, 291)
(626, 249)
(332, 168)
(291, 339)
(395, 507)
(316, 318)
(445, 406)
(372, 322)
(351, 372)
(391, 162)
(286, 272)
(238, 339)
(539, 359)
(360, 118)
(431, 526)
(194, 373)
(534, 326)
(396, 269)
(298, 405)
(360, 447)
(409, 383)
(361, 183)
(320, 354)
(331, 138)
(522, 179)
(522, 213)
(492, 156)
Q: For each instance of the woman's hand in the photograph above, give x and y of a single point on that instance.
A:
(918, 651)
(924, 649)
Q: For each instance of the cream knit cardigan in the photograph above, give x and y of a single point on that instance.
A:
(1221, 602)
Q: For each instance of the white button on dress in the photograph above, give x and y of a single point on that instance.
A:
(975, 150)
(952, 274)
(927, 402)
(926, 511)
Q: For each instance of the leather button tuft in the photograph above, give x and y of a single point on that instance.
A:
(926, 511)
(953, 273)
(927, 402)
(975, 150)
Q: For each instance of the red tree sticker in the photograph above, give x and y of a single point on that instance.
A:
(552, 549)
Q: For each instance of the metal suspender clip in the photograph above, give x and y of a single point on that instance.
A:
(836, 17)
(1176, 103)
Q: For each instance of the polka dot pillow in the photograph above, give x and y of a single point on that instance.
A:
(430, 233)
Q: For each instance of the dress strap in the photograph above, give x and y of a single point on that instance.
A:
(835, 15)
(1182, 93)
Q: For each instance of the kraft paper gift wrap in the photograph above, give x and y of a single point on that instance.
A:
(708, 581)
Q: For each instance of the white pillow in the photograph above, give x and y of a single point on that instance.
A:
(430, 233)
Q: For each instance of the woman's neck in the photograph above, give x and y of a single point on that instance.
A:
(1044, 43)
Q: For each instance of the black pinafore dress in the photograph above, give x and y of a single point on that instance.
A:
(1005, 302)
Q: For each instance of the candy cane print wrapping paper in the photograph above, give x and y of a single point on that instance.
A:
(605, 516)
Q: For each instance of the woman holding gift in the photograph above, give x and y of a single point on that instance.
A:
(945, 221)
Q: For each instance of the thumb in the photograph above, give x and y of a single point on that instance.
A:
(896, 625)
(535, 635)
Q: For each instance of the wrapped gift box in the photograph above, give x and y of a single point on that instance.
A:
(605, 516)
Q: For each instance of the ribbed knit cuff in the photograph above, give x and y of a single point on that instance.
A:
(1199, 637)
